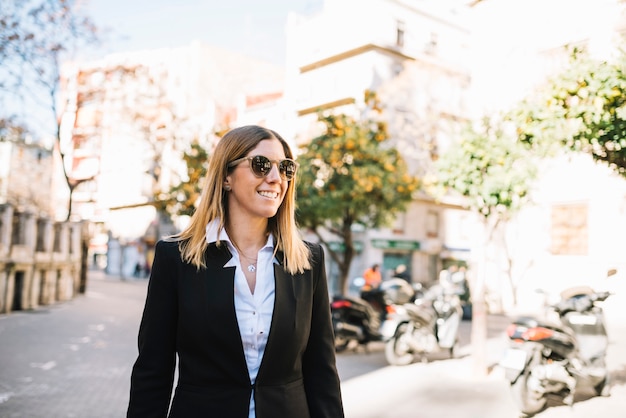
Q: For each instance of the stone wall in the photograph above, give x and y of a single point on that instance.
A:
(40, 260)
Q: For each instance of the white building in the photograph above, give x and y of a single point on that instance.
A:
(571, 233)
(461, 62)
(416, 59)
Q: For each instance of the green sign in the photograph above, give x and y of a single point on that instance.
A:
(340, 246)
(388, 244)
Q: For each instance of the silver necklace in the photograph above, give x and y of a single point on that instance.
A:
(251, 266)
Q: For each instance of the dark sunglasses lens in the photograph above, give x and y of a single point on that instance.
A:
(261, 165)
(288, 169)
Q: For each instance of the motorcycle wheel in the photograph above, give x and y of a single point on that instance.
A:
(528, 400)
(398, 350)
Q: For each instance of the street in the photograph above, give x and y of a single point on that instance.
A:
(74, 360)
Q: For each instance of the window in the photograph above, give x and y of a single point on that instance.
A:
(432, 224)
(399, 33)
(41, 235)
(58, 230)
(569, 233)
(18, 233)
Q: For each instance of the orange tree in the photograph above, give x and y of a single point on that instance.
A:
(350, 175)
(581, 109)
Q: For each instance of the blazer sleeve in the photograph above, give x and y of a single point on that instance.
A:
(319, 369)
(153, 372)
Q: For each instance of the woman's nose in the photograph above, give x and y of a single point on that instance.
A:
(274, 174)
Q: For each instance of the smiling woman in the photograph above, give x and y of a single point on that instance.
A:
(240, 260)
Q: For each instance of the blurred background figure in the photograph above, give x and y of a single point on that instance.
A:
(401, 273)
(373, 278)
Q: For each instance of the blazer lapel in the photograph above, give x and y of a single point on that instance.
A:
(283, 319)
(219, 291)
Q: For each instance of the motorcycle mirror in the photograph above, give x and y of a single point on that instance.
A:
(611, 272)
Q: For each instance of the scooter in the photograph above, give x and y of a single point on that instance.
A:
(427, 325)
(548, 359)
(359, 319)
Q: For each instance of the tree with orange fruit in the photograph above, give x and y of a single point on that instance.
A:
(351, 175)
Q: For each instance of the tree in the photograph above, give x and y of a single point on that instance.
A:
(350, 175)
(581, 109)
(494, 173)
(35, 36)
(180, 199)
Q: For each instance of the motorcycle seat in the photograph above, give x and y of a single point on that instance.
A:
(576, 291)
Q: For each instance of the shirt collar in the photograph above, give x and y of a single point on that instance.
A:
(212, 236)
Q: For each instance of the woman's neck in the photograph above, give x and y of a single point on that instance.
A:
(248, 236)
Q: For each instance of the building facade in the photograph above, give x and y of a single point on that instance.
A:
(416, 58)
(433, 63)
(129, 118)
(40, 255)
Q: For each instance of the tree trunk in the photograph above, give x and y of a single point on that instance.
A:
(479, 306)
(479, 337)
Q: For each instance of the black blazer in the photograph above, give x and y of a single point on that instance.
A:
(191, 313)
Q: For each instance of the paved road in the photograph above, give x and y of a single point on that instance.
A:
(74, 360)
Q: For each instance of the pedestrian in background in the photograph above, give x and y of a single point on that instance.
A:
(373, 278)
(400, 272)
(240, 298)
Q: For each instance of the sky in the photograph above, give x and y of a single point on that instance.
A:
(252, 27)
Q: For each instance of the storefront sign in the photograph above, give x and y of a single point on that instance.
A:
(339, 246)
(387, 244)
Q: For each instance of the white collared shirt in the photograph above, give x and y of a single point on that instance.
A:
(254, 311)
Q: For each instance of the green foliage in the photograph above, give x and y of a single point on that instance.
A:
(490, 168)
(180, 200)
(581, 109)
(349, 175)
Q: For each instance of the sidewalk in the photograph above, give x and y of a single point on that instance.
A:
(72, 359)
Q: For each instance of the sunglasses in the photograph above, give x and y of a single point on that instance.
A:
(261, 166)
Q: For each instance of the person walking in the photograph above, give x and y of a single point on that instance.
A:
(240, 299)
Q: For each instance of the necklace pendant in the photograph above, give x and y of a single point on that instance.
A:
(251, 268)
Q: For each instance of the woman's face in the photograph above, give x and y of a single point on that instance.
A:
(252, 196)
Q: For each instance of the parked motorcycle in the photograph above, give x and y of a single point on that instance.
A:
(427, 325)
(359, 319)
(548, 359)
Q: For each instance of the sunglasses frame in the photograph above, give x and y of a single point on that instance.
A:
(283, 175)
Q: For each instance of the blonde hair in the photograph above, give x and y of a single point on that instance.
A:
(237, 143)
